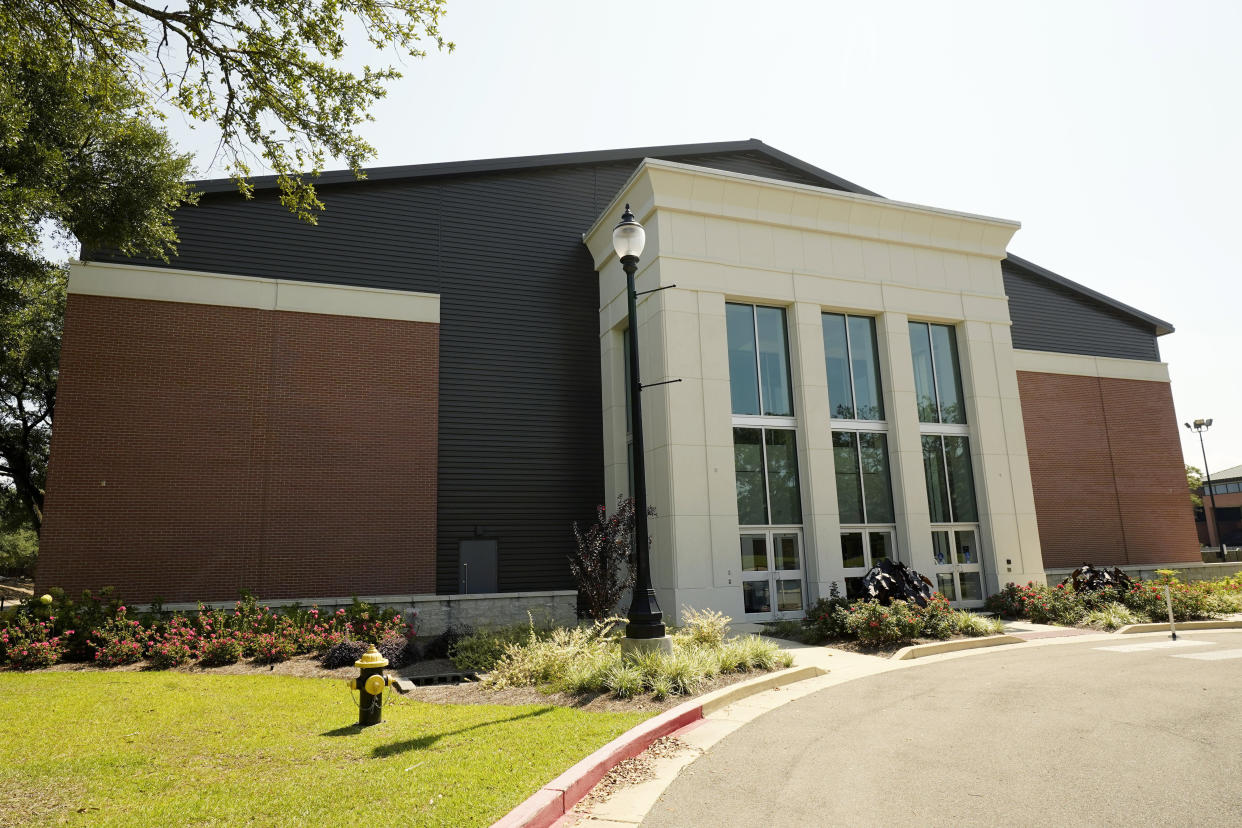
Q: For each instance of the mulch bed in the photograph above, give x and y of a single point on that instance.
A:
(307, 666)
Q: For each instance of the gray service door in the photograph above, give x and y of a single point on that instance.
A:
(476, 566)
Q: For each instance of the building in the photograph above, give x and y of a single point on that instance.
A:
(1227, 516)
(418, 396)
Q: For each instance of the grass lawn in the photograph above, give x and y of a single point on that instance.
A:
(170, 748)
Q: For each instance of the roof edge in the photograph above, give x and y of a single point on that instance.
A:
(516, 162)
(1160, 325)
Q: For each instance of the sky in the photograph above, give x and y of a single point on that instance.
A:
(1110, 130)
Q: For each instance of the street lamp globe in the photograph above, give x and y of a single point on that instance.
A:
(628, 237)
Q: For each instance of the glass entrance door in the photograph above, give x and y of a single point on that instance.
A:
(772, 576)
(959, 567)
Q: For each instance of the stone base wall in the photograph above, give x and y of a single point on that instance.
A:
(436, 613)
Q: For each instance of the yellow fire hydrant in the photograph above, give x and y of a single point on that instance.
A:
(370, 684)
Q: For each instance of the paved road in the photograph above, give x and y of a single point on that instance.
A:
(1060, 735)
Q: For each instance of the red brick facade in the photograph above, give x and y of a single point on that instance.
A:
(201, 450)
(1107, 470)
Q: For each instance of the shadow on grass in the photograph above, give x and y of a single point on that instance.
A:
(426, 741)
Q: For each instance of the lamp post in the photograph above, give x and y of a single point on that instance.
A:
(645, 622)
(1199, 427)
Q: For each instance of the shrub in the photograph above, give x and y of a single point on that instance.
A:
(271, 647)
(875, 624)
(601, 561)
(394, 648)
(940, 620)
(750, 652)
(343, 654)
(624, 680)
(545, 661)
(707, 627)
(119, 641)
(1146, 599)
(825, 620)
(176, 644)
(975, 626)
(28, 642)
(442, 644)
(220, 649)
(480, 650)
(1110, 617)
(1008, 602)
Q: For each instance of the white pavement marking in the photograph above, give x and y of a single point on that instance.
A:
(1153, 645)
(1215, 655)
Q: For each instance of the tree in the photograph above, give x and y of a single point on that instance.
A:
(78, 159)
(602, 562)
(1194, 481)
(267, 73)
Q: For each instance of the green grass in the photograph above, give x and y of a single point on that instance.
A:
(178, 749)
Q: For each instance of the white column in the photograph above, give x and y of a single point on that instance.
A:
(904, 443)
(820, 516)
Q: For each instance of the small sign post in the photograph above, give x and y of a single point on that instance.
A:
(1168, 600)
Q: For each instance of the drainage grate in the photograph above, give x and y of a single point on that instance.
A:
(405, 685)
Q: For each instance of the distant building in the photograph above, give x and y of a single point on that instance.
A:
(1227, 488)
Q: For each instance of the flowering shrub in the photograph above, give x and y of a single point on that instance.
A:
(30, 642)
(220, 649)
(119, 641)
(873, 623)
(176, 644)
(1144, 601)
(940, 620)
(825, 620)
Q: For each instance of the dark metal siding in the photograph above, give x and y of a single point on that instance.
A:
(520, 443)
(1049, 317)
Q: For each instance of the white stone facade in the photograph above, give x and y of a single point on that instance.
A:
(723, 237)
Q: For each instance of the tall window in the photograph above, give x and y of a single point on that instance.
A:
(859, 446)
(765, 451)
(946, 462)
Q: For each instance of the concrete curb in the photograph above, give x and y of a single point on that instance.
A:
(920, 650)
(556, 798)
(1181, 625)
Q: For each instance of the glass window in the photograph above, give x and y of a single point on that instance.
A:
(881, 546)
(754, 553)
(852, 550)
(786, 552)
(849, 482)
(940, 548)
(852, 360)
(743, 366)
(866, 369)
(837, 358)
(773, 362)
(948, 374)
(752, 500)
(924, 381)
(950, 479)
(937, 484)
(782, 451)
(877, 484)
(789, 596)
(961, 479)
(755, 596)
(937, 374)
(966, 551)
(758, 360)
(775, 498)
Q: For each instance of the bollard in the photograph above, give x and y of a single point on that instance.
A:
(370, 685)
(1168, 600)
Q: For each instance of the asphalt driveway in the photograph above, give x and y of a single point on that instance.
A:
(1071, 734)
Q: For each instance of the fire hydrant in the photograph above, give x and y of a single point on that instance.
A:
(370, 684)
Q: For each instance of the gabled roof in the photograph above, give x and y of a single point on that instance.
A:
(670, 152)
(1227, 474)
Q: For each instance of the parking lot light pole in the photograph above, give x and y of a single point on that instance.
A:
(645, 622)
(1199, 427)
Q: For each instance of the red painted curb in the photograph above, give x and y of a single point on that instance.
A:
(554, 799)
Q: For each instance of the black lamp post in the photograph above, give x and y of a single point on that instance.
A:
(645, 621)
(1199, 427)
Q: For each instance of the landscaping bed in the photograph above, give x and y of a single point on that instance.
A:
(1113, 607)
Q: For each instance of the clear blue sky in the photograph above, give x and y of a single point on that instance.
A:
(1109, 129)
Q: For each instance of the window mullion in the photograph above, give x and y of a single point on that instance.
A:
(862, 486)
(767, 492)
(849, 366)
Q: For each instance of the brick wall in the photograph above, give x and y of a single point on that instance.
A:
(201, 450)
(1106, 467)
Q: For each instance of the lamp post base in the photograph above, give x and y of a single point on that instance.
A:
(633, 647)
